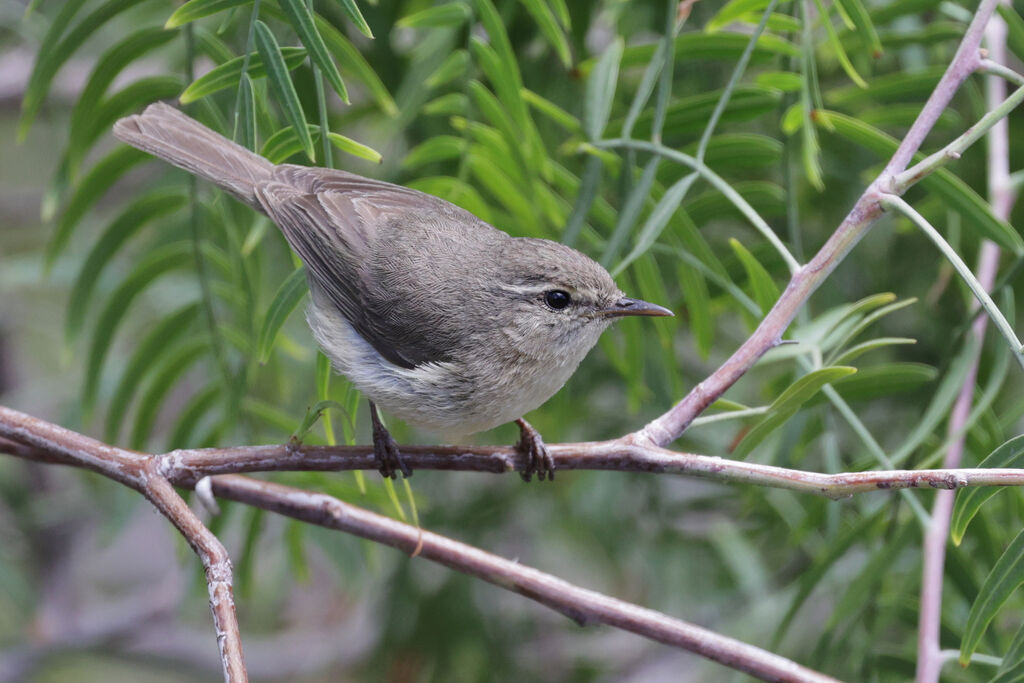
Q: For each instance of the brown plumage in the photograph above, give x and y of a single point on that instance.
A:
(440, 318)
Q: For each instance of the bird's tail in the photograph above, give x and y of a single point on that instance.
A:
(182, 141)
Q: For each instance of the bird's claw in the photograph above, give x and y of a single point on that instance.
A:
(538, 459)
(385, 450)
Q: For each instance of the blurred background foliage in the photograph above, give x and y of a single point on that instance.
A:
(155, 313)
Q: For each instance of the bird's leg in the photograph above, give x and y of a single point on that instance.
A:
(385, 450)
(538, 460)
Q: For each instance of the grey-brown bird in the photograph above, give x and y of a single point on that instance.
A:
(437, 317)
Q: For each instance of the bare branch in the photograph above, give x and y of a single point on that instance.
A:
(806, 280)
(140, 472)
(930, 658)
(579, 604)
(152, 475)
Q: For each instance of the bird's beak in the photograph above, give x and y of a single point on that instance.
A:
(626, 306)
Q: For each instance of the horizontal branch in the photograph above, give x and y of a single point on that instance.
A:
(186, 467)
(579, 604)
(29, 437)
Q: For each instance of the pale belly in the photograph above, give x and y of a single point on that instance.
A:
(450, 398)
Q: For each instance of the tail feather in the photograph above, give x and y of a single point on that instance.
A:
(182, 141)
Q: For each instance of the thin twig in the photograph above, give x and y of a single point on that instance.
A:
(579, 604)
(46, 442)
(152, 476)
(671, 425)
(930, 657)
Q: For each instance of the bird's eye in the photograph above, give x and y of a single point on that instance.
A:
(557, 299)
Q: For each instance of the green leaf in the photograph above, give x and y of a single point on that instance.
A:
(227, 74)
(970, 500)
(107, 68)
(739, 151)
(886, 380)
(92, 187)
(587, 192)
(953, 191)
(788, 403)
(494, 179)
(600, 90)
(552, 111)
(631, 209)
(301, 19)
(833, 38)
(548, 25)
(862, 24)
(657, 220)
(435, 149)
(698, 307)
(126, 101)
(288, 296)
(891, 88)
(1001, 582)
(314, 414)
(349, 57)
(454, 103)
(454, 66)
(786, 81)
(1012, 668)
(761, 284)
(450, 14)
(733, 11)
(59, 50)
(497, 116)
(862, 348)
(188, 418)
(155, 264)
(503, 73)
(357, 149)
(284, 144)
(158, 342)
(767, 199)
(688, 115)
(135, 216)
(165, 375)
(197, 9)
(282, 86)
(356, 17)
(693, 46)
(245, 121)
(1015, 29)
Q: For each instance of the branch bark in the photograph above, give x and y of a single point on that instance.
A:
(671, 425)
(1002, 196)
(152, 475)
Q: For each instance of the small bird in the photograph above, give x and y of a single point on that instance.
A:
(437, 317)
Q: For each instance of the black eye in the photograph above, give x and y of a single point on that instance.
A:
(557, 299)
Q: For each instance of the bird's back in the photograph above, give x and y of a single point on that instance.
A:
(400, 265)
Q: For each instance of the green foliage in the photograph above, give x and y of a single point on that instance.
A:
(506, 108)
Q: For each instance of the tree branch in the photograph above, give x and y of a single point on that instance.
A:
(930, 658)
(671, 425)
(152, 475)
(140, 472)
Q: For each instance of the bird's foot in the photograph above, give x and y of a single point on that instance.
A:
(538, 459)
(385, 450)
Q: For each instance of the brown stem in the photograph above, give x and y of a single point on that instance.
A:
(29, 437)
(579, 604)
(806, 280)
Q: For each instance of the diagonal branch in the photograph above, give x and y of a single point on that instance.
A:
(671, 425)
(29, 437)
(579, 604)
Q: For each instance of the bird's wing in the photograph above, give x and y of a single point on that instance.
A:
(337, 223)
